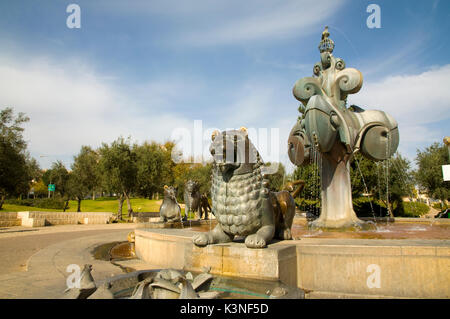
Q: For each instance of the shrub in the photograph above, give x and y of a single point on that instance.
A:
(22, 202)
(307, 205)
(49, 203)
(414, 209)
(363, 207)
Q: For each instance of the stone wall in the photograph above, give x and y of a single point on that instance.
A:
(9, 219)
(39, 219)
(145, 217)
(374, 268)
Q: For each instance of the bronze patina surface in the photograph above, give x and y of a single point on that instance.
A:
(170, 211)
(241, 200)
(337, 132)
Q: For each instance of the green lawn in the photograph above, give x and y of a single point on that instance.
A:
(98, 205)
(18, 208)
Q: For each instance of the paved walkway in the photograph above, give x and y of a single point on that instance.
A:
(33, 261)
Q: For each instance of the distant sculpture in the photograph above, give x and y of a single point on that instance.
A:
(241, 200)
(337, 132)
(204, 206)
(170, 211)
(191, 198)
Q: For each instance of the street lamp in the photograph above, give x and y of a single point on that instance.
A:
(50, 175)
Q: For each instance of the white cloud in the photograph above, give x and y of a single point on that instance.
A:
(275, 20)
(261, 104)
(70, 105)
(417, 102)
(412, 99)
(206, 22)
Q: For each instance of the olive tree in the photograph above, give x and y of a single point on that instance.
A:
(15, 172)
(118, 167)
(85, 177)
(429, 171)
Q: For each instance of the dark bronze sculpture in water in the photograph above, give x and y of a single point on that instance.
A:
(170, 211)
(191, 198)
(337, 132)
(204, 206)
(241, 200)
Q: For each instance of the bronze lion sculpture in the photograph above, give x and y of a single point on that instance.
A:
(241, 200)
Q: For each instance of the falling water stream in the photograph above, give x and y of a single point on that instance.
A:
(365, 187)
(389, 213)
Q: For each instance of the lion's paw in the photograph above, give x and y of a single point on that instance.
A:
(286, 234)
(200, 240)
(255, 241)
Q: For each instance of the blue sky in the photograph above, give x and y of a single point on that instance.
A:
(144, 68)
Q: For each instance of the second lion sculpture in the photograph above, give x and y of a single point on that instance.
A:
(241, 200)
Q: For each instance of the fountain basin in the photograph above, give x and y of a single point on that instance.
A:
(155, 223)
(324, 267)
(381, 228)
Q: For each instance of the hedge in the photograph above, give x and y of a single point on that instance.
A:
(49, 203)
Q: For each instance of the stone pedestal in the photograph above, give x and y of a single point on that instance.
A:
(169, 248)
(337, 207)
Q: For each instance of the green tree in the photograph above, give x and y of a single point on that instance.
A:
(85, 176)
(429, 171)
(118, 166)
(35, 173)
(60, 176)
(363, 173)
(40, 189)
(76, 189)
(153, 168)
(200, 173)
(277, 179)
(400, 184)
(310, 174)
(34, 169)
(15, 177)
(384, 182)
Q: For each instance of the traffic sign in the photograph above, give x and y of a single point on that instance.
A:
(51, 187)
(446, 172)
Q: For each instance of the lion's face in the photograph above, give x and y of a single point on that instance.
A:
(233, 152)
